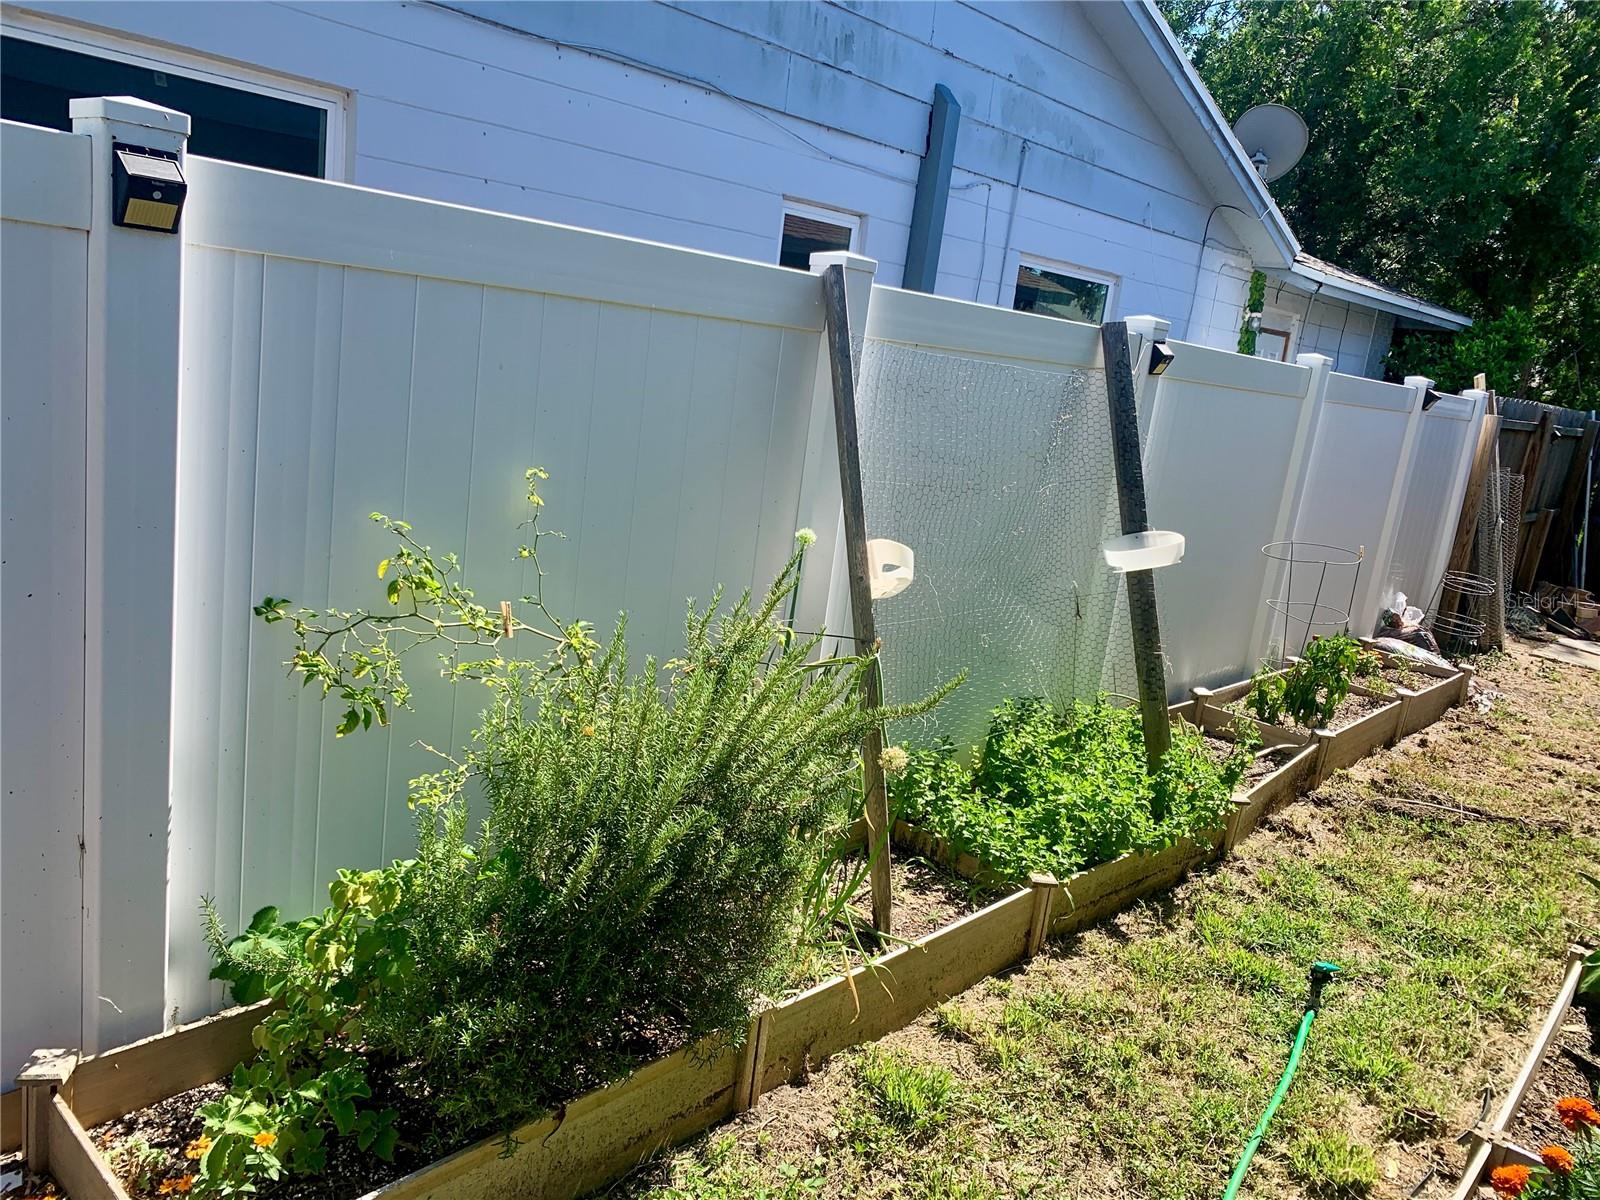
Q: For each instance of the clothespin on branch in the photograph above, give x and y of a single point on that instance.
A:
(505, 619)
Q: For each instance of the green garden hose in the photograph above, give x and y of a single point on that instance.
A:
(1321, 973)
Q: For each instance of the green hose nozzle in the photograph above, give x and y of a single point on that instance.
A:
(1321, 975)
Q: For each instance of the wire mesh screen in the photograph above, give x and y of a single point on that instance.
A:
(1000, 479)
(1488, 550)
(1497, 546)
(1511, 510)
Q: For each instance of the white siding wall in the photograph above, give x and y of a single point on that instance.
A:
(821, 102)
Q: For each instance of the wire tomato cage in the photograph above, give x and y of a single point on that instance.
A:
(1318, 558)
(1459, 625)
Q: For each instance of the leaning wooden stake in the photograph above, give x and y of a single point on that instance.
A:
(842, 367)
(1147, 655)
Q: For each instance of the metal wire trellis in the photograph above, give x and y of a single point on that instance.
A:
(1001, 479)
(1313, 560)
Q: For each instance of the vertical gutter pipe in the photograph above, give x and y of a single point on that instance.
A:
(933, 193)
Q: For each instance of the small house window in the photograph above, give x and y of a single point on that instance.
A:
(231, 119)
(809, 230)
(1064, 293)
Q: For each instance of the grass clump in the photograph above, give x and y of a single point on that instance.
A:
(1063, 789)
(910, 1098)
(1332, 1166)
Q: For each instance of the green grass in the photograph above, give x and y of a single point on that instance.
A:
(908, 1098)
(1133, 1062)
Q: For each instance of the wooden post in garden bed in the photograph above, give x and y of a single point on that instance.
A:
(1147, 654)
(876, 802)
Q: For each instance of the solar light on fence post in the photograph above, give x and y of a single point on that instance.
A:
(147, 188)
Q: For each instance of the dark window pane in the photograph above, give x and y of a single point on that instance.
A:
(37, 81)
(1052, 294)
(805, 236)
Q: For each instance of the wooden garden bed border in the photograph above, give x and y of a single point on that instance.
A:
(1409, 711)
(1424, 706)
(607, 1132)
(1490, 1147)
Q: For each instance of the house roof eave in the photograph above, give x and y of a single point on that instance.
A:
(1136, 32)
(1309, 275)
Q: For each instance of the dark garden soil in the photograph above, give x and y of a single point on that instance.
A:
(928, 897)
(171, 1126)
(1571, 1068)
(1414, 681)
(1220, 750)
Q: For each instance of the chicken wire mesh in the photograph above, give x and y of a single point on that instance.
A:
(1497, 547)
(1000, 478)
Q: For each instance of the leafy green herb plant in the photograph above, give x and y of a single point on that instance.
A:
(1311, 689)
(1062, 790)
(309, 1075)
(639, 876)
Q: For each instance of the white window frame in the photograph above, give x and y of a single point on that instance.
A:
(158, 56)
(1087, 274)
(856, 223)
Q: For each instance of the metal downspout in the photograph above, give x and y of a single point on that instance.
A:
(933, 193)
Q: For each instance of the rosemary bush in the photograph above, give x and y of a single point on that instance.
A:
(1062, 790)
(637, 880)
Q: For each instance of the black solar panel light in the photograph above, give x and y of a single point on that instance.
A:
(147, 188)
(1160, 357)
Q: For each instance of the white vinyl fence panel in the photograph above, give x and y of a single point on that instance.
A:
(44, 204)
(350, 352)
(1227, 437)
(1351, 496)
(345, 351)
(1433, 491)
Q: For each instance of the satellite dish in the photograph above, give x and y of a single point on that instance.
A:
(1274, 137)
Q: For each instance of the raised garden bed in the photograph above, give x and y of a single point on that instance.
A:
(594, 1138)
(1287, 765)
(1424, 691)
(1361, 724)
(1505, 1139)
(605, 1133)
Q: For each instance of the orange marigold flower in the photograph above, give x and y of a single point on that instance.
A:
(198, 1147)
(1576, 1112)
(1510, 1181)
(265, 1139)
(178, 1186)
(1557, 1159)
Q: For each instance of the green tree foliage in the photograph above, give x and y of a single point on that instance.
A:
(1455, 154)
